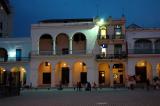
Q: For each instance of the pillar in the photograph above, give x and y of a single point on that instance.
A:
(52, 78)
(70, 78)
(70, 46)
(153, 45)
(54, 47)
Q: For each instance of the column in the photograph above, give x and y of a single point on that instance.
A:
(54, 47)
(153, 45)
(70, 46)
(111, 75)
(52, 78)
(70, 78)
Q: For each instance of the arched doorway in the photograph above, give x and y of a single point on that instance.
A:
(79, 43)
(44, 73)
(62, 44)
(118, 73)
(62, 73)
(46, 44)
(2, 76)
(143, 71)
(3, 54)
(19, 74)
(158, 70)
(80, 73)
(104, 74)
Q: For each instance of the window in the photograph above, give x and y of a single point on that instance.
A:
(118, 31)
(117, 49)
(103, 32)
(18, 54)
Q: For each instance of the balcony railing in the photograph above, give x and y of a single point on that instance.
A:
(118, 36)
(111, 56)
(144, 51)
(62, 52)
(14, 59)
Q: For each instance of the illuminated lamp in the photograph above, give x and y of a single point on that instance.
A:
(100, 22)
(12, 53)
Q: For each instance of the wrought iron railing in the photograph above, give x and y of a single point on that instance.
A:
(14, 59)
(111, 56)
(112, 37)
(144, 51)
(62, 52)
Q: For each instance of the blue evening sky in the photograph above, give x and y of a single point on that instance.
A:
(145, 13)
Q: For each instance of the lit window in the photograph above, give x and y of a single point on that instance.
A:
(103, 32)
(118, 30)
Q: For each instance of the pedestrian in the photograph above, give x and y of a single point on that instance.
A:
(95, 86)
(79, 86)
(147, 84)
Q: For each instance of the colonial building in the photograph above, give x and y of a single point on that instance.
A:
(6, 18)
(143, 52)
(67, 51)
(78, 50)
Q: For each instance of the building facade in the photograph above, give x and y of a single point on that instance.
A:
(67, 51)
(143, 52)
(6, 18)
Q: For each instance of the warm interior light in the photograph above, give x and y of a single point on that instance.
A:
(4, 70)
(102, 74)
(64, 64)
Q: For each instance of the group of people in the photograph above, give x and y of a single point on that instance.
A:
(88, 86)
(155, 84)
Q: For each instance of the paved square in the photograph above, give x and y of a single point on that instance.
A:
(69, 97)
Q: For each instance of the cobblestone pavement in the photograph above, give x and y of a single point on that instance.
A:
(69, 97)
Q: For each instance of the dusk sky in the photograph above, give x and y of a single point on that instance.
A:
(145, 13)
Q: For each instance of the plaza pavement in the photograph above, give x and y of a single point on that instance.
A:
(69, 97)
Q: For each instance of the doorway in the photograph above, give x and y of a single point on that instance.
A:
(83, 77)
(46, 78)
(65, 75)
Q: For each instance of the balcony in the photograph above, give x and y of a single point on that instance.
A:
(144, 51)
(14, 59)
(111, 56)
(63, 52)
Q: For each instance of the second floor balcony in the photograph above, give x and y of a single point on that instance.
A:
(143, 51)
(111, 56)
(63, 52)
(14, 59)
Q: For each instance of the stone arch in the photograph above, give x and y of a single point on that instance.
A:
(44, 73)
(79, 72)
(19, 74)
(119, 76)
(104, 74)
(62, 73)
(62, 43)
(46, 44)
(143, 71)
(79, 43)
